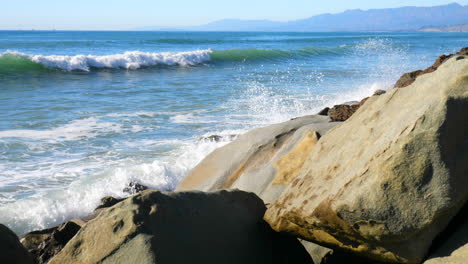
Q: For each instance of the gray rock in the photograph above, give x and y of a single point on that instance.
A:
(379, 92)
(260, 161)
(187, 227)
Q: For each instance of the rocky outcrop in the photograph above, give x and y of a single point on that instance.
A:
(262, 161)
(11, 250)
(384, 183)
(408, 78)
(44, 244)
(185, 227)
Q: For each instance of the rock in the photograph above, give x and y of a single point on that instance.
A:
(379, 92)
(408, 78)
(387, 181)
(342, 112)
(324, 111)
(218, 138)
(458, 256)
(108, 201)
(351, 103)
(451, 247)
(134, 187)
(261, 161)
(45, 244)
(185, 227)
(11, 250)
(323, 255)
(318, 253)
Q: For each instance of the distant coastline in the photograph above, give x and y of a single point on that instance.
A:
(454, 28)
(428, 19)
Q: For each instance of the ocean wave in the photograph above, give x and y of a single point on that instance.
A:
(127, 60)
(274, 54)
(12, 61)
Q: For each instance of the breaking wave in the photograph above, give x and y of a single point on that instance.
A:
(12, 61)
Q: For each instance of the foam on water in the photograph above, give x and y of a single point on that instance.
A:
(75, 130)
(49, 208)
(127, 60)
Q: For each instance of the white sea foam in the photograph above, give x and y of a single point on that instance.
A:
(75, 130)
(127, 60)
(49, 208)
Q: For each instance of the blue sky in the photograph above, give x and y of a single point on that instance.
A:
(125, 14)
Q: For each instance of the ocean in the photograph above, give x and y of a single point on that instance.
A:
(83, 114)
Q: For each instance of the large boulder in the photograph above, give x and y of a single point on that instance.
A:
(185, 227)
(11, 250)
(263, 160)
(384, 183)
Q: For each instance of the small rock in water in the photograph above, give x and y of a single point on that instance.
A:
(218, 138)
(350, 103)
(379, 92)
(134, 187)
(108, 201)
(324, 111)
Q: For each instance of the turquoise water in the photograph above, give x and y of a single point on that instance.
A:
(82, 114)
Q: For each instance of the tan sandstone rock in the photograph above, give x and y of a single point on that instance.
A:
(262, 161)
(384, 183)
(185, 227)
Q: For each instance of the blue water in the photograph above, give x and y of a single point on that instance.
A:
(82, 114)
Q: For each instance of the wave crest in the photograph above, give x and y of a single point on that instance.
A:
(12, 61)
(127, 60)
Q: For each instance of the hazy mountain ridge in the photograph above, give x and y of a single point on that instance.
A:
(455, 28)
(409, 18)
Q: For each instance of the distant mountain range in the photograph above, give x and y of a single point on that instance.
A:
(408, 18)
(455, 28)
